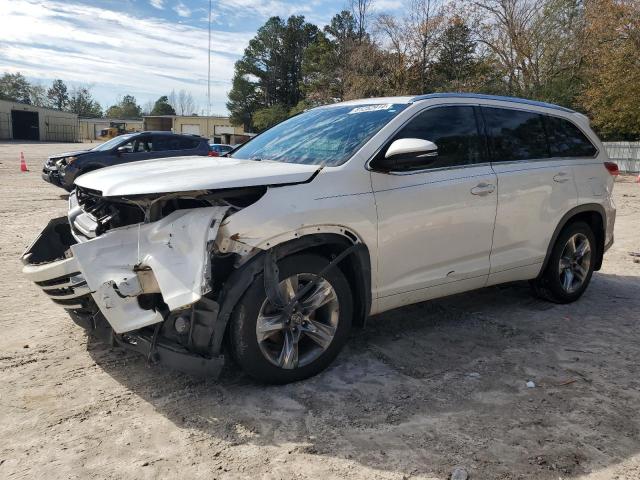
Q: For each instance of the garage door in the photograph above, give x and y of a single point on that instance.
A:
(192, 129)
(25, 125)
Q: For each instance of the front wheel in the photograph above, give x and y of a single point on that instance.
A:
(570, 266)
(293, 341)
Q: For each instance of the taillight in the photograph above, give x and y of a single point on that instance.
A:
(213, 153)
(612, 168)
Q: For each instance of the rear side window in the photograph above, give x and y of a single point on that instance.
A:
(566, 140)
(515, 134)
(454, 131)
(188, 143)
(161, 144)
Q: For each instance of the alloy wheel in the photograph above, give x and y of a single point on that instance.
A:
(575, 262)
(296, 335)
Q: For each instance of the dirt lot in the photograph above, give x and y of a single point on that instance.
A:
(420, 391)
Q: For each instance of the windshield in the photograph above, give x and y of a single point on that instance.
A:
(322, 136)
(108, 145)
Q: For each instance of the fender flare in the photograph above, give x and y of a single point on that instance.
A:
(566, 218)
(240, 279)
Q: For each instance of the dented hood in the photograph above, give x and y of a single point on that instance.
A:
(181, 174)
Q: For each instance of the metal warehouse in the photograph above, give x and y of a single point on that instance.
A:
(19, 121)
(218, 129)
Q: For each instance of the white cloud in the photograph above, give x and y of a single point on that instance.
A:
(116, 51)
(182, 10)
(159, 4)
(264, 8)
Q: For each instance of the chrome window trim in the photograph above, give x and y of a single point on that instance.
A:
(439, 169)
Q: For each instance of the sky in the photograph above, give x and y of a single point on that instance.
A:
(144, 48)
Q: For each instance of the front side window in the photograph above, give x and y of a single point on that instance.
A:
(114, 142)
(140, 144)
(566, 140)
(326, 136)
(454, 131)
(515, 134)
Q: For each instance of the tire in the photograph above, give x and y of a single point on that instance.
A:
(258, 358)
(555, 284)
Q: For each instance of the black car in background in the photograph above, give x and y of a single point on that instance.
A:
(62, 169)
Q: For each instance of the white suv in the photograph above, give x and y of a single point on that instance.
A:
(341, 212)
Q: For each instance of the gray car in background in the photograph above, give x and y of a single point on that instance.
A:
(62, 169)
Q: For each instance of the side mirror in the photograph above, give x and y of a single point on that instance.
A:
(122, 150)
(407, 154)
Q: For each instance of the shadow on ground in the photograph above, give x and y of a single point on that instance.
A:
(442, 383)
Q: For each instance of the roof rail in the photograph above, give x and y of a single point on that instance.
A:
(482, 96)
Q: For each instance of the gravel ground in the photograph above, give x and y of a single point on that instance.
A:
(419, 392)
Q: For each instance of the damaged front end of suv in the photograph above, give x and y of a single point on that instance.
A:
(137, 271)
(158, 273)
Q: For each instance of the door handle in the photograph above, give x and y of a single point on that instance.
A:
(561, 177)
(483, 189)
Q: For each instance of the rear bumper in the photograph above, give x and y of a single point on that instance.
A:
(51, 265)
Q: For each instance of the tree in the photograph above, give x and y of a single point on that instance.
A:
(270, 71)
(125, 108)
(81, 102)
(182, 102)
(456, 66)
(243, 100)
(360, 12)
(38, 96)
(267, 117)
(538, 45)
(13, 86)
(162, 107)
(612, 85)
(58, 95)
(425, 24)
(325, 63)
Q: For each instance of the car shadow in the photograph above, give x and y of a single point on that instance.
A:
(441, 383)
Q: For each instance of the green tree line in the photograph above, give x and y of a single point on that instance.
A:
(583, 54)
(15, 87)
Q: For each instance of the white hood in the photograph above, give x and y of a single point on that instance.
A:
(182, 174)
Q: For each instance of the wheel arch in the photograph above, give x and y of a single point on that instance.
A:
(592, 214)
(356, 267)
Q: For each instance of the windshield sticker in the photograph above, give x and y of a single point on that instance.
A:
(371, 108)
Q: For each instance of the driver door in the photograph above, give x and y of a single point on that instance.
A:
(435, 217)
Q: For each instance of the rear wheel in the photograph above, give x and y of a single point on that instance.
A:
(570, 266)
(293, 341)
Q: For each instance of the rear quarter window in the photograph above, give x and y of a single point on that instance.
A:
(567, 140)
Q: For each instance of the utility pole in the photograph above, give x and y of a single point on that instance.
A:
(209, 67)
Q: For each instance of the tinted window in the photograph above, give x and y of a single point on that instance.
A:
(188, 143)
(161, 143)
(140, 144)
(566, 140)
(452, 129)
(515, 135)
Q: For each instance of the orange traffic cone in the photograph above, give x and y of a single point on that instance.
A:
(23, 164)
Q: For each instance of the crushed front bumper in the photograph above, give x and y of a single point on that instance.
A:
(51, 264)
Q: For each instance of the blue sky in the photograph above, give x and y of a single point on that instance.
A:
(141, 47)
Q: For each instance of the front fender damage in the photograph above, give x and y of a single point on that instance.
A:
(171, 256)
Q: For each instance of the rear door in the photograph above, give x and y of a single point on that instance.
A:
(535, 189)
(435, 224)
